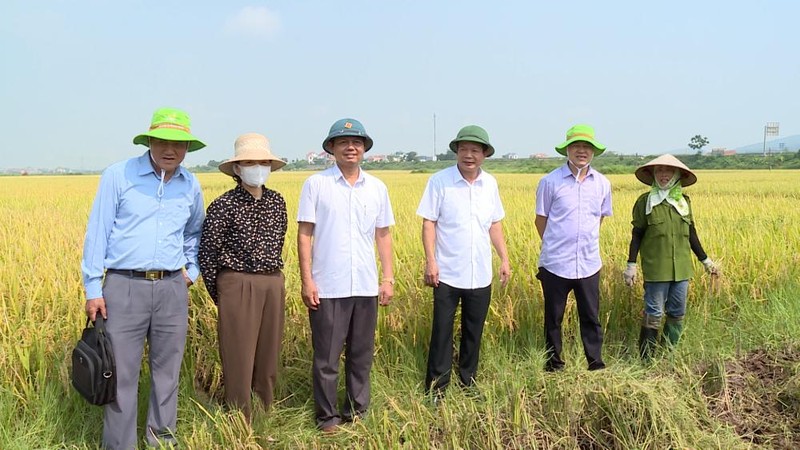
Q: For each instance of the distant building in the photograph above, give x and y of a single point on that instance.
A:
(539, 156)
(376, 158)
(721, 151)
(423, 158)
(510, 156)
(318, 158)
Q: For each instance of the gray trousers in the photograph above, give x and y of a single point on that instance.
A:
(342, 323)
(158, 311)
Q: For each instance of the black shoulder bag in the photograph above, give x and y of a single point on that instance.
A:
(93, 368)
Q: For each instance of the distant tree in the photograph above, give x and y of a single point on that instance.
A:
(446, 156)
(410, 157)
(698, 142)
(213, 163)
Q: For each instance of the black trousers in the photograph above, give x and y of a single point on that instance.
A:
(474, 307)
(587, 296)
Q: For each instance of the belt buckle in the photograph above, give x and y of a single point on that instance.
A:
(153, 275)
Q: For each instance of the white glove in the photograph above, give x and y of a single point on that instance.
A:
(629, 275)
(710, 266)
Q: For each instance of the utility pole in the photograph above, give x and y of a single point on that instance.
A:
(434, 136)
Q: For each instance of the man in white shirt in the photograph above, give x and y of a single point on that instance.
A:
(344, 213)
(461, 213)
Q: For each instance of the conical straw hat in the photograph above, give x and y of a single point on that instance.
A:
(645, 172)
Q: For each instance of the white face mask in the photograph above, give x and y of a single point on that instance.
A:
(253, 176)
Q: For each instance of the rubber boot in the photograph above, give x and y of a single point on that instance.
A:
(673, 328)
(648, 336)
(648, 339)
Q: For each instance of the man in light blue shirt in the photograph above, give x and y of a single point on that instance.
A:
(139, 258)
(571, 202)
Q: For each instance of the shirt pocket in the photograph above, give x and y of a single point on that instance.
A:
(685, 224)
(482, 213)
(656, 226)
(368, 217)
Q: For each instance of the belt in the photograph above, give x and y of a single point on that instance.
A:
(149, 274)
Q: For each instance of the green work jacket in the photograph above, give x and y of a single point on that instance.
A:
(665, 252)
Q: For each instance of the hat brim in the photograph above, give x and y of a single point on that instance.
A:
(169, 134)
(367, 141)
(454, 144)
(227, 166)
(644, 173)
(598, 147)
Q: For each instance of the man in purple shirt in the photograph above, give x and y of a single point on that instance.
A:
(571, 202)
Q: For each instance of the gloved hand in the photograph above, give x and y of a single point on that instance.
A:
(711, 266)
(629, 275)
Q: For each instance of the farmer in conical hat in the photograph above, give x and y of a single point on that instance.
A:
(664, 234)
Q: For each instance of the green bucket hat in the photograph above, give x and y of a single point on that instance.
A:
(581, 133)
(472, 133)
(170, 124)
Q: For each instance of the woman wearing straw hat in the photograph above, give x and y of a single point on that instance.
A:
(664, 233)
(240, 259)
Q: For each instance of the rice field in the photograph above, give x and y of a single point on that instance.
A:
(746, 220)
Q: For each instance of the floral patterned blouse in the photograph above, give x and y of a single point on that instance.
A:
(242, 233)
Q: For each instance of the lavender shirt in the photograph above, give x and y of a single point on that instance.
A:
(571, 242)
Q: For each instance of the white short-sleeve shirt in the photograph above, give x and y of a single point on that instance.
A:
(345, 218)
(463, 213)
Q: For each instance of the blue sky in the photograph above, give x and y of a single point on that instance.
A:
(80, 78)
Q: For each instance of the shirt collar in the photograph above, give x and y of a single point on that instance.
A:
(338, 175)
(242, 193)
(565, 172)
(457, 177)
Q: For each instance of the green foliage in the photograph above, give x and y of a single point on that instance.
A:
(698, 142)
(606, 163)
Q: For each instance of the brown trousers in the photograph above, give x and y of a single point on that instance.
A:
(251, 316)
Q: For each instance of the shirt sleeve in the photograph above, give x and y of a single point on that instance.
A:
(98, 231)
(306, 211)
(193, 231)
(605, 208)
(386, 217)
(544, 197)
(499, 213)
(284, 220)
(639, 219)
(430, 202)
(214, 230)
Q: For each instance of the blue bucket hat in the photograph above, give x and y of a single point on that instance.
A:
(347, 127)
